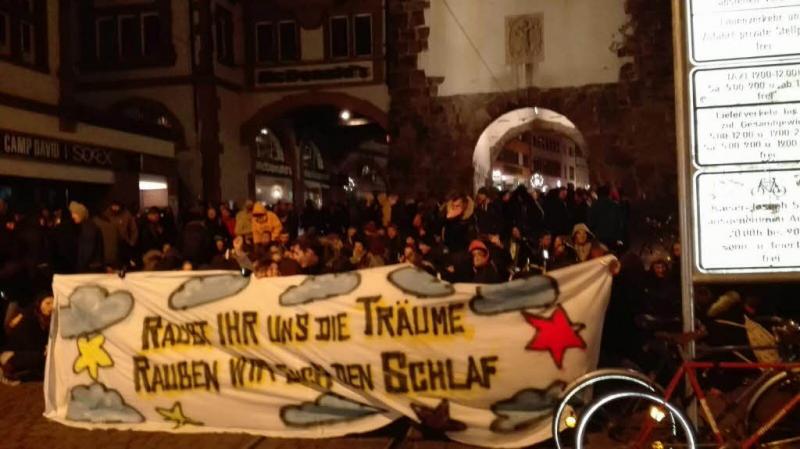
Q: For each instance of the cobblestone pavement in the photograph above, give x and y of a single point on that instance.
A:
(22, 426)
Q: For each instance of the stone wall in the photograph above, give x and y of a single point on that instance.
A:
(629, 126)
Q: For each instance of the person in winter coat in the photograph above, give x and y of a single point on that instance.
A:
(228, 220)
(488, 215)
(197, 243)
(27, 329)
(266, 226)
(520, 250)
(458, 229)
(606, 219)
(153, 236)
(222, 259)
(395, 244)
(556, 211)
(127, 230)
(563, 255)
(110, 240)
(244, 219)
(484, 270)
(33, 236)
(524, 212)
(64, 241)
(90, 241)
(214, 223)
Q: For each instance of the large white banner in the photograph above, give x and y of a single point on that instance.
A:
(324, 356)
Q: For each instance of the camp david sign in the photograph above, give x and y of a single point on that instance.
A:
(322, 356)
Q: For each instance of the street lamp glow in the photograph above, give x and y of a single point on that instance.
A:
(345, 115)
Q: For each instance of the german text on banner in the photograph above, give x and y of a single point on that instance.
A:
(322, 356)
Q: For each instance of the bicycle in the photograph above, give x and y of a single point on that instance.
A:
(767, 407)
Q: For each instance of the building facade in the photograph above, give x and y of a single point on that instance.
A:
(54, 149)
(305, 99)
(233, 78)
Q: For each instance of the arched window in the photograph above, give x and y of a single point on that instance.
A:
(143, 113)
(312, 158)
(154, 115)
(268, 147)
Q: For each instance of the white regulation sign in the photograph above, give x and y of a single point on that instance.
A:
(748, 221)
(747, 115)
(744, 29)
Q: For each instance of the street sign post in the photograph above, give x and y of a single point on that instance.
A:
(737, 66)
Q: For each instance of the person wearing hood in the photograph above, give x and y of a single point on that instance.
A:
(90, 241)
(582, 242)
(266, 226)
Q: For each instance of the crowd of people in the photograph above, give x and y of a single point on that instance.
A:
(492, 237)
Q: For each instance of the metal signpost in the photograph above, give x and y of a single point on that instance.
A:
(737, 98)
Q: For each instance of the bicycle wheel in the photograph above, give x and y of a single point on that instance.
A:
(575, 397)
(654, 424)
(774, 395)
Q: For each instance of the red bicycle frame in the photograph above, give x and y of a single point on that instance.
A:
(689, 369)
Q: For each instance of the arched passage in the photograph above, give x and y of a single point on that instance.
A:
(511, 125)
(291, 103)
(314, 120)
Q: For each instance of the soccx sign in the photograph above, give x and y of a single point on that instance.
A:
(35, 147)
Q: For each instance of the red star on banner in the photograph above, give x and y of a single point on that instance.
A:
(555, 334)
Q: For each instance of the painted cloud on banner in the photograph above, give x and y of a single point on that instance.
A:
(420, 283)
(91, 309)
(520, 294)
(328, 408)
(527, 408)
(97, 404)
(315, 288)
(198, 291)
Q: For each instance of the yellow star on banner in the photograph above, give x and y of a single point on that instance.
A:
(175, 414)
(92, 356)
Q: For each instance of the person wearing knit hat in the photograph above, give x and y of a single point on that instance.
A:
(79, 212)
(484, 269)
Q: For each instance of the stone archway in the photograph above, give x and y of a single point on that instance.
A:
(279, 116)
(288, 104)
(511, 124)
